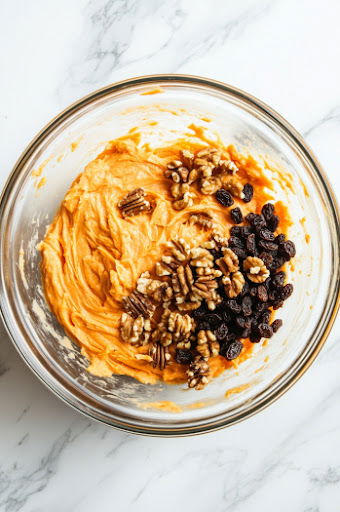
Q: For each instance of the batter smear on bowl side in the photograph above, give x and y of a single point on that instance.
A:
(166, 264)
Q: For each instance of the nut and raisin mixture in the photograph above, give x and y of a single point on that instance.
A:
(204, 301)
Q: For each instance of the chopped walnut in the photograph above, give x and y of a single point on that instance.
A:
(198, 373)
(202, 219)
(220, 240)
(159, 291)
(189, 305)
(137, 304)
(235, 187)
(233, 284)
(201, 257)
(180, 249)
(229, 262)
(256, 270)
(166, 266)
(179, 189)
(185, 202)
(181, 327)
(207, 345)
(160, 355)
(182, 281)
(135, 330)
(209, 185)
(177, 172)
(134, 203)
(227, 166)
(187, 158)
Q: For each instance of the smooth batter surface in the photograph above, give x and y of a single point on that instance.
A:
(92, 257)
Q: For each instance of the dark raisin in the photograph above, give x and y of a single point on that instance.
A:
(267, 258)
(277, 263)
(266, 234)
(183, 356)
(287, 249)
(226, 316)
(224, 197)
(268, 210)
(255, 338)
(251, 244)
(243, 323)
(262, 293)
(201, 311)
(261, 307)
(265, 317)
(213, 320)
(276, 324)
(250, 217)
(248, 192)
(240, 253)
(233, 306)
(265, 330)
(268, 246)
(245, 231)
(221, 332)
(286, 291)
(273, 294)
(233, 350)
(278, 279)
(277, 304)
(245, 289)
(253, 291)
(259, 221)
(203, 326)
(247, 305)
(245, 333)
(236, 215)
(234, 241)
(280, 238)
(236, 231)
(230, 338)
(273, 223)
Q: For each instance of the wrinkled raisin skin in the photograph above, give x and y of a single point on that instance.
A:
(268, 210)
(276, 324)
(248, 192)
(236, 215)
(183, 356)
(224, 197)
(233, 350)
(273, 223)
(221, 332)
(265, 330)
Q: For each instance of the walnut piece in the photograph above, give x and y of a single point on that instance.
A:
(182, 281)
(160, 355)
(209, 185)
(135, 330)
(256, 270)
(229, 262)
(198, 373)
(185, 202)
(202, 219)
(233, 284)
(201, 257)
(134, 203)
(137, 304)
(207, 344)
(235, 187)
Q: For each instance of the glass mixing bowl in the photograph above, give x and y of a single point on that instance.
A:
(44, 173)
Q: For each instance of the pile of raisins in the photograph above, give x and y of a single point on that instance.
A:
(248, 315)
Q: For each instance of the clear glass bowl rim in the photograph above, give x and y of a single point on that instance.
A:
(50, 377)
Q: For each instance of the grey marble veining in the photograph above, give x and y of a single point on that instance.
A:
(286, 458)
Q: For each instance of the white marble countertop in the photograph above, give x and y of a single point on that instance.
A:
(287, 53)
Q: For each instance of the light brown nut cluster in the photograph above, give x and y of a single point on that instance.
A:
(160, 355)
(229, 262)
(206, 167)
(135, 330)
(158, 291)
(179, 252)
(137, 304)
(235, 187)
(202, 219)
(207, 344)
(198, 373)
(256, 270)
(233, 284)
(134, 203)
(182, 280)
